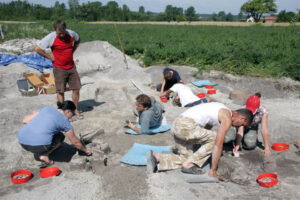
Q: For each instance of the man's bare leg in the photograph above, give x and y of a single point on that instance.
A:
(188, 164)
(60, 97)
(75, 97)
(156, 155)
(45, 157)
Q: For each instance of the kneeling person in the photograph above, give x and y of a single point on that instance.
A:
(185, 96)
(191, 128)
(42, 133)
(149, 112)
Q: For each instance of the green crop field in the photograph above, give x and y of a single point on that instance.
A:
(268, 51)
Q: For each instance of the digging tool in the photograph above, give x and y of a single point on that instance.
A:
(117, 32)
(137, 87)
(297, 144)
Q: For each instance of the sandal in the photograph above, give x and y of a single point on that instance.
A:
(79, 116)
(151, 162)
(193, 170)
(44, 164)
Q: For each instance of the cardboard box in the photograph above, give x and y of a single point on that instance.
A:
(48, 79)
(40, 86)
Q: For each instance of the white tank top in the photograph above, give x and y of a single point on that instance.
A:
(205, 114)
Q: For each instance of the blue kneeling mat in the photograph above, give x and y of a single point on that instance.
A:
(137, 155)
(161, 129)
(203, 83)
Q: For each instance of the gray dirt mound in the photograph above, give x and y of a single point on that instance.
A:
(18, 46)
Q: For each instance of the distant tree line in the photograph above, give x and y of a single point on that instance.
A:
(96, 11)
(91, 11)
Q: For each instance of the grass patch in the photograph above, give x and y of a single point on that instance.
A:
(268, 51)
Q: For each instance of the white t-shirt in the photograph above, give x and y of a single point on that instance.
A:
(205, 114)
(185, 94)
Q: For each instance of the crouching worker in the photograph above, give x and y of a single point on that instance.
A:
(247, 136)
(149, 113)
(42, 132)
(191, 128)
(170, 77)
(185, 96)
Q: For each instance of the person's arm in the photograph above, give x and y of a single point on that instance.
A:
(43, 53)
(165, 93)
(133, 127)
(181, 81)
(76, 142)
(163, 86)
(265, 134)
(76, 44)
(225, 120)
(145, 118)
(29, 117)
(239, 137)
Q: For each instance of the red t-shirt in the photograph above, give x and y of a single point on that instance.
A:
(63, 52)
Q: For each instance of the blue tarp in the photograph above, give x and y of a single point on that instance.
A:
(161, 129)
(35, 61)
(137, 155)
(203, 83)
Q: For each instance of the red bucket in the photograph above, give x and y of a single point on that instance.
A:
(209, 86)
(267, 179)
(280, 146)
(20, 176)
(49, 171)
(201, 95)
(163, 99)
(211, 91)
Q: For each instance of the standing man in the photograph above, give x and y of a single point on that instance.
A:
(191, 128)
(63, 43)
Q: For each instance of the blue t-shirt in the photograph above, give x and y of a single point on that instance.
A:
(41, 129)
(175, 78)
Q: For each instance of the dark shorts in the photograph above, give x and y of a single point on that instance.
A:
(40, 149)
(63, 76)
(204, 100)
(168, 85)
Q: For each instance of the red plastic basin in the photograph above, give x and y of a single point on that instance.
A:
(20, 176)
(267, 179)
(211, 91)
(280, 146)
(209, 86)
(49, 171)
(163, 99)
(201, 95)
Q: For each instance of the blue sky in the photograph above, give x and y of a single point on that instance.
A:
(201, 6)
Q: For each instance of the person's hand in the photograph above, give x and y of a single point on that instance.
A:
(88, 152)
(52, 58)
(130, 125)
(162, 94)
(267, 151)
(235, 151)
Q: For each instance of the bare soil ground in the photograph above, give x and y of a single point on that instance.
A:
(107, 99)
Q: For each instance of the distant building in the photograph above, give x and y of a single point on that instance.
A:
(270, 19)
